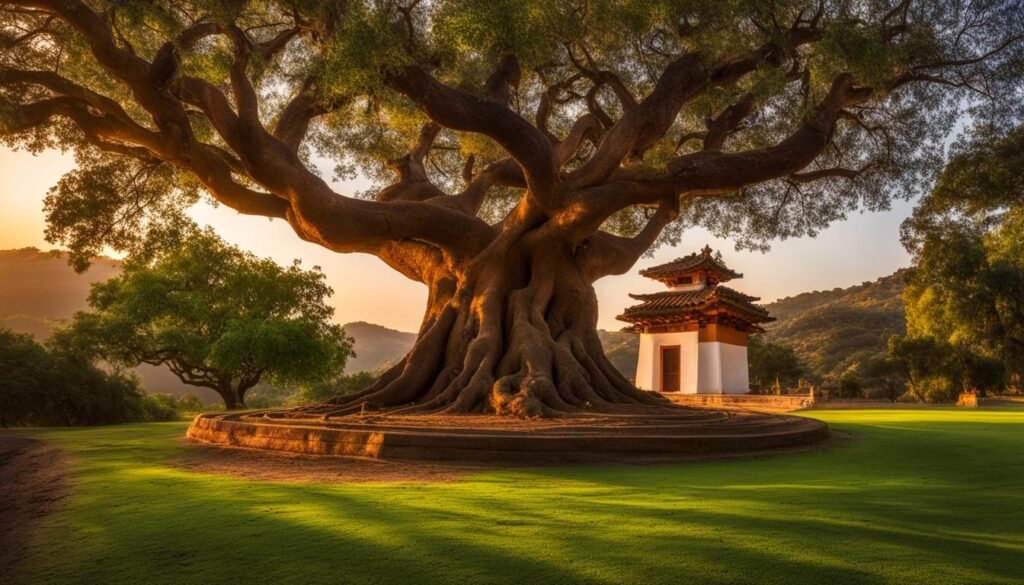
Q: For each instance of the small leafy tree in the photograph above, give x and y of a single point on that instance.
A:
(217, 317)
(26, 373)
(850, 385)
(772, 364)
(886, 372)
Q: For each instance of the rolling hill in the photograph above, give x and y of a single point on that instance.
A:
(826, 328)
(38, 290)
(376, 346)
(830, 329)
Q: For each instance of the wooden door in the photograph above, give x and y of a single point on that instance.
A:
(670, 371)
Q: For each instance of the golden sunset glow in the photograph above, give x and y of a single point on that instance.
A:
(864, 247)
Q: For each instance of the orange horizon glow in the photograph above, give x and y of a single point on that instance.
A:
(862, 248)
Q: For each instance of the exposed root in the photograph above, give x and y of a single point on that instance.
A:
(513, 339)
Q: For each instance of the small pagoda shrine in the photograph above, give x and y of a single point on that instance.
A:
(693, 337)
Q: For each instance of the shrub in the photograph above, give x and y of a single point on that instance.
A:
(850, 385)
(934, 390)
(161, 407)
(61, 387)
(190, 403)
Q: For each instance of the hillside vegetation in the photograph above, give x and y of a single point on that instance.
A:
(376, 347)
(831, 329)
(38, 290)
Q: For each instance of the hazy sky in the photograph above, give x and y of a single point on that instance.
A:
(863, 247)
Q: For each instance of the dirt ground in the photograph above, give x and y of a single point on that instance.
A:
(286, 467)
(276, 466)
(33, 483)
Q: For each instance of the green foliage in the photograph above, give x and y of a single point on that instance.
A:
(162, 407)
(86, 209)
(58, 387)
(367, 46)
(190, 403)
(772, 364)
(937, 371)
(984, 177)
(886, 373)
(965, 310)
(217, 317)
(344, 52)
(966, 290)
(850, 385)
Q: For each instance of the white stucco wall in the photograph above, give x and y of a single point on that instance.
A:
(722, 369)
(735, 371)
(645, 363)
(648, 367)
(709, 368)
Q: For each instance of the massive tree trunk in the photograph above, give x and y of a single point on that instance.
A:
(515, 335)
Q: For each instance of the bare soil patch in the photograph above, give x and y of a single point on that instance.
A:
(275, 466)
(285, 467)
(33, 483)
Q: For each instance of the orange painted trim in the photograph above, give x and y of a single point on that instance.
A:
(723, 334)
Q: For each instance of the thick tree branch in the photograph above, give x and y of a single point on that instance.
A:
(683, 78)
(720, 127)
(413, 183)
(606, 254)
(708, 173)
(460, 110)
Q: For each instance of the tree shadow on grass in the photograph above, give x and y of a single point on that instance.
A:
(310, 535)
(878, 511)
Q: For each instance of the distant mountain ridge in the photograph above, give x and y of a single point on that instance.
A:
(38, 290)
(376, 346)
(830, 330)
(826, 328)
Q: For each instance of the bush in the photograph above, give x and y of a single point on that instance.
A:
(62, 387)
(850, 385)
(984, 374)
(937, 371)
(161, 407)
(190, 403)
(772, 365)
(934, 390)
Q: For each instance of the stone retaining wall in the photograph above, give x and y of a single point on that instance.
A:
(759, 402)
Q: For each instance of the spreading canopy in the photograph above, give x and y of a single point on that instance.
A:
(521, 149)
(217, 317)
(767, 119)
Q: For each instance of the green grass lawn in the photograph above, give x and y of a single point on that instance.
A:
(921, 496)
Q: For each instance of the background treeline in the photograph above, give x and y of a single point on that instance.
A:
(55, 386)
(952, 323)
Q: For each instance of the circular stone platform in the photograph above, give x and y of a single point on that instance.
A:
(686, 433)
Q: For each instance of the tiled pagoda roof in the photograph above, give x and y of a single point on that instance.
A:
(676, 305)
(697, 262)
